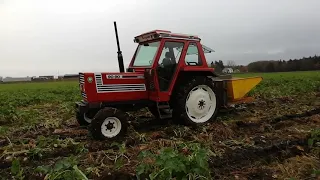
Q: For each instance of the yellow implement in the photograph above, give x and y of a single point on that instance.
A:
(237, 88)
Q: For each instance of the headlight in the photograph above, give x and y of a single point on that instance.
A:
(89, 79)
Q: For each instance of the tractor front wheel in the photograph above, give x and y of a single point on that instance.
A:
(85, 119)
(109, 123)
(196, 102)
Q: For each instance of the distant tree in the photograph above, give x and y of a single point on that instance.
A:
(220, 64)
(212, 64)
(231, 63)
(270, 67)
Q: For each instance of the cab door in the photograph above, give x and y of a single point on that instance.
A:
(166, 66)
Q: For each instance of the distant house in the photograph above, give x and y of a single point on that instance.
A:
(40, 78)
(16, 79)
(236, 71)
(47, 77)
(227, 70)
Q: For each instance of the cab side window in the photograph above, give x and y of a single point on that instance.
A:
(167, 63)
(193, 57)
(170, 53)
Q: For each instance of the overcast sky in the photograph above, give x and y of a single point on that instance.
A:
(42, 37)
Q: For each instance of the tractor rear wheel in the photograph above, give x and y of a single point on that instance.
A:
(197, 103)
(84, 119)
(109, 123)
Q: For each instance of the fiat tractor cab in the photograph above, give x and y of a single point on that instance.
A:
(168, 74)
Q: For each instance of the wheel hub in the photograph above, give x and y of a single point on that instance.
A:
(111, 127)
(200, 103)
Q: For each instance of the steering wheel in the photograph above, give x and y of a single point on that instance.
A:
(161, 65)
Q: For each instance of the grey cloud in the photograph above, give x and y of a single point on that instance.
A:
(50, 37)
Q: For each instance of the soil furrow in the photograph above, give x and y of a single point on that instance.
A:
(292, 116)
(238, 158)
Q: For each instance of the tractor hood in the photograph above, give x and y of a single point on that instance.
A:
(111, 86)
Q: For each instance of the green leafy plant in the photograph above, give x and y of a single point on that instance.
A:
(314, 136)
(119, 160)
(35, 153)
(183, 162)
(16, 169)
(63, 169)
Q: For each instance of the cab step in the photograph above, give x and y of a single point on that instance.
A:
(164, 110)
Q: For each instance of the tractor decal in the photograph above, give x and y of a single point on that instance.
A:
(117, 76)
(103, 88)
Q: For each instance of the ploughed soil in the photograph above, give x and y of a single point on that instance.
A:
(264, 139)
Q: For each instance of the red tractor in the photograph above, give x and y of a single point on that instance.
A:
(169, 75)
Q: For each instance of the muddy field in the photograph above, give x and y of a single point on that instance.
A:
(270, 138)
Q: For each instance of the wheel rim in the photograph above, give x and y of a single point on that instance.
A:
(201, 104)
(86, 118)
(111, 127)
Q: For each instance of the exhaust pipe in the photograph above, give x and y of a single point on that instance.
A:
(120, 57)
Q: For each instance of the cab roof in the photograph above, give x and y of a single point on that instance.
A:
(158, 34)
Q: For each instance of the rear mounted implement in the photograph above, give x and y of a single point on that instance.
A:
(238, 88)
(169, 75)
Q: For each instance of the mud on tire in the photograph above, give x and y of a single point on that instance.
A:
(203, 98)
(109, 123)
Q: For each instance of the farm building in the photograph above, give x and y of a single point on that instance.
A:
(47, 77)
(227, 70)
(39, 78)
(16, 79)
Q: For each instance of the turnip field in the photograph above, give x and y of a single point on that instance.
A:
(277, 136)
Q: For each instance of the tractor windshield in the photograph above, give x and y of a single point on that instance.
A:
(146, 53)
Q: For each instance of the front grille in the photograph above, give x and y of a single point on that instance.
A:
(104, 88)
(81, 83)
(81, 78)
(84, 95)
(98, 78)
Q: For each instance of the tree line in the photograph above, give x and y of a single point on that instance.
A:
(303, 64)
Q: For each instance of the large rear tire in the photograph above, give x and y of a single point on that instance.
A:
(197, 103)
(109, 123)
